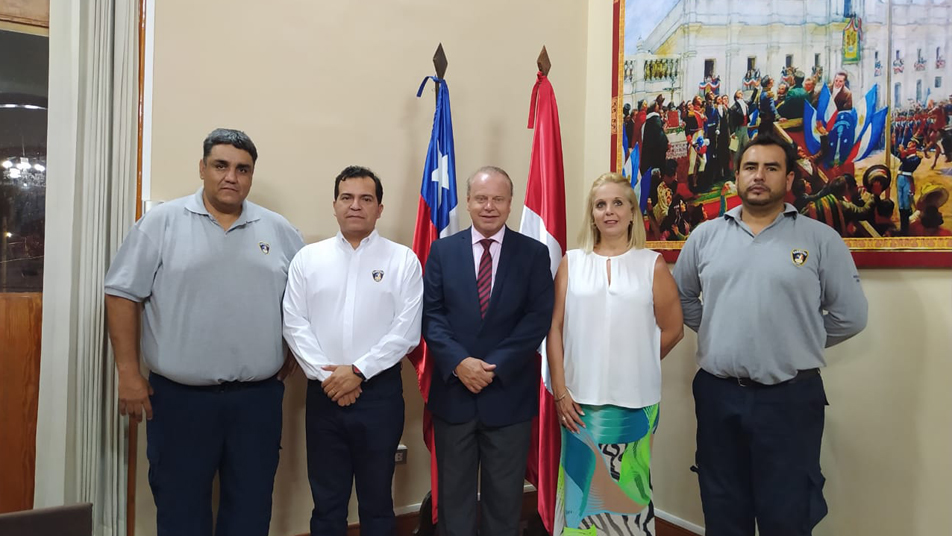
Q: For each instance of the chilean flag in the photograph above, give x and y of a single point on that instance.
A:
(811, 134)
(543, 218)
(436, 218)
(631, 168)
(826, 108)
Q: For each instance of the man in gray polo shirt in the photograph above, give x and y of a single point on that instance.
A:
(777, 288)
(196, 288)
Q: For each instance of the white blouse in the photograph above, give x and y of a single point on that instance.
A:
(612, 343)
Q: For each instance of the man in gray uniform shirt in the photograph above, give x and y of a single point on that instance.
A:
(197, 288)
(777, 289)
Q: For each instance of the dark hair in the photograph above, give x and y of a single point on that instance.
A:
(676, 201)
(769, 138)
(931, 217)
(229, 136)
(885, 207)
(799, 187)
(846, 77)
(354, 172)
(850, 180)
(670, 167)
(697, 214)
(838, 187)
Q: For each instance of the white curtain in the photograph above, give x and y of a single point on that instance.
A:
(105, 188)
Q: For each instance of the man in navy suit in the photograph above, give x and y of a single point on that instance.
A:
(487, 305)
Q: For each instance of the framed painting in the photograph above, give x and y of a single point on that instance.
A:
(860, 87)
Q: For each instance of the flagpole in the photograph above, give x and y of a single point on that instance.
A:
(543, 63)
(439, 63)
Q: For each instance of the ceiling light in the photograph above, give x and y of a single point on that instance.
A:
(9, 235)
(39, 167)
(14, 173)
(7, 164)
(22, 106)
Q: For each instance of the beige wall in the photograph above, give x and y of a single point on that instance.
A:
(321, 85)
(887, 439)
(326, 84)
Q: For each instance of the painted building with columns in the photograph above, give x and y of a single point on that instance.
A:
(728, 39)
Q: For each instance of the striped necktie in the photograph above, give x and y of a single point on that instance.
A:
(484, 280)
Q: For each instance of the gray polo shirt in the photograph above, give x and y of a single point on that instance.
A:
(211, 298)
(771, 302)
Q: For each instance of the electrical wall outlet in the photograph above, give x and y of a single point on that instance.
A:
(400, 457)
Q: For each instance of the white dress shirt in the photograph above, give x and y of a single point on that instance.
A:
(494, 249)
(346, 306)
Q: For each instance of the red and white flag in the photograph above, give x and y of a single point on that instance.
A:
(543, 218)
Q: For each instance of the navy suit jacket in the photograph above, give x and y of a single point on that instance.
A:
(516, 322)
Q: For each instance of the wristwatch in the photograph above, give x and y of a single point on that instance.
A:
(358, 373)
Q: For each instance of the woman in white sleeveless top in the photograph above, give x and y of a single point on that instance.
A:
(617, 314)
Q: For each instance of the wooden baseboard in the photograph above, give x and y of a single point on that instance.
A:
(664, 528)
(407, 523)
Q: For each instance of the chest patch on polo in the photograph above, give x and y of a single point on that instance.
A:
(264, 247)
(799, 256)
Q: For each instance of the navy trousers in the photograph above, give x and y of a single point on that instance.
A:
(234, 430)
(758, 455)
(354, 446)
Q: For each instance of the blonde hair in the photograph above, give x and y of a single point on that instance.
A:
(590, 236)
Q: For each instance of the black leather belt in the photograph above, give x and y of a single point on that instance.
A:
(801, 375)
(223, 386)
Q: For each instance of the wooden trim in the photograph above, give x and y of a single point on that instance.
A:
(32, 13)
(663, 528)
(133, 426)
(24, 28)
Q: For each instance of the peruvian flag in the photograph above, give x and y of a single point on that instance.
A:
(543, 218)
(436, 218)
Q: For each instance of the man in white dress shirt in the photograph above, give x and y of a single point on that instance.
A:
(351, 312)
